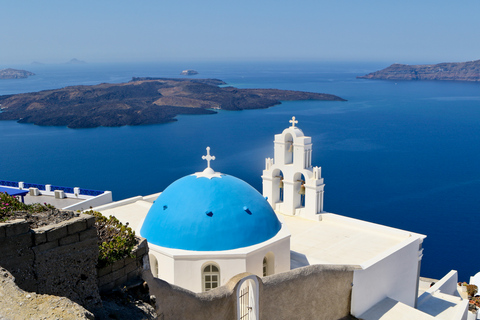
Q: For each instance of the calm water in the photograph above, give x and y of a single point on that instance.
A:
(403, 154)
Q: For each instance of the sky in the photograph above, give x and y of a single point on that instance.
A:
(407, 31)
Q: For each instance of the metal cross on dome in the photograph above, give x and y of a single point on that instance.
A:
(293, 122)
(208, 157)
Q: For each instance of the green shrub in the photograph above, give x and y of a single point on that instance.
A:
(9, 205)
(116, 241)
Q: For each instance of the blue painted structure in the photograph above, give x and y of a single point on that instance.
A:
(13, 192)
(203, 214)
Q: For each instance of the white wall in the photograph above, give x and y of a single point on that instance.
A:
(188, 270)
(99, 200)
(281, 251)
(188, 273)
(165, 264)
(394, 275)
(184, 268)
(448, 284)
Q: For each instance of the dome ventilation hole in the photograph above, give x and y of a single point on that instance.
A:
(165, 207)
(247, 210)
(209, 213)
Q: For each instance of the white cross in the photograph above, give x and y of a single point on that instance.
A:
(208, 157)
(293, 122)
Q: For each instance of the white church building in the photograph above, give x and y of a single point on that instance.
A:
(208, 227)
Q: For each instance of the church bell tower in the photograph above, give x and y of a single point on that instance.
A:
(290, 183)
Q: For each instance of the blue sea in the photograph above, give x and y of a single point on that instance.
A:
(403, 154)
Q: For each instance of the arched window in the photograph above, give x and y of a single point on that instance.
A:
(153, 265)
(265, 266)
(268, 264)
(211, 277)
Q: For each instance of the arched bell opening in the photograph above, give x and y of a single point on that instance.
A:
(299, 190)
(278, 187)
(289, 149)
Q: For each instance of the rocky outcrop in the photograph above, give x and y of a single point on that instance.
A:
(461, 71)
(15, 74)
(19, 304)
(140, 101)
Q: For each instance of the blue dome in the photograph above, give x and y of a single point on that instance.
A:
(202, 214)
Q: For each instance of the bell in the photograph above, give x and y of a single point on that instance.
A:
(302, 189)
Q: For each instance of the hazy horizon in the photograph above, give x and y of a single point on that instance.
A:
(54, 31)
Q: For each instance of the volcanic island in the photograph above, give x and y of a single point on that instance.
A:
(140, 101)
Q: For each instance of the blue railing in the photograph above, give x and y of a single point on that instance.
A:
(34, 185)
(88, 192)
(9, 183)
(65, 189)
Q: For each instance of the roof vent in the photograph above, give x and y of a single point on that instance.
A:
(165, 207)
(209, 213)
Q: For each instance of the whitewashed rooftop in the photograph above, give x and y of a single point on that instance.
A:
(132, 210)
(340, 240)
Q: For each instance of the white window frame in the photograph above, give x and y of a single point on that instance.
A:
(208, 276)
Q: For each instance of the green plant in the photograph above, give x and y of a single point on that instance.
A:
(116, 241)
(9, 205)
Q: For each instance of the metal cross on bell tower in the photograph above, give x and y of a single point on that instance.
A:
(293, 122)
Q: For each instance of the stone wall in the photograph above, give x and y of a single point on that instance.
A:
(124, 272)
(312, 292)
(57, 259)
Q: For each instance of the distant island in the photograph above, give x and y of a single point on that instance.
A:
(455, 71)
(188, 72)
(76, 61)
(140, 101)
(15, 74)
